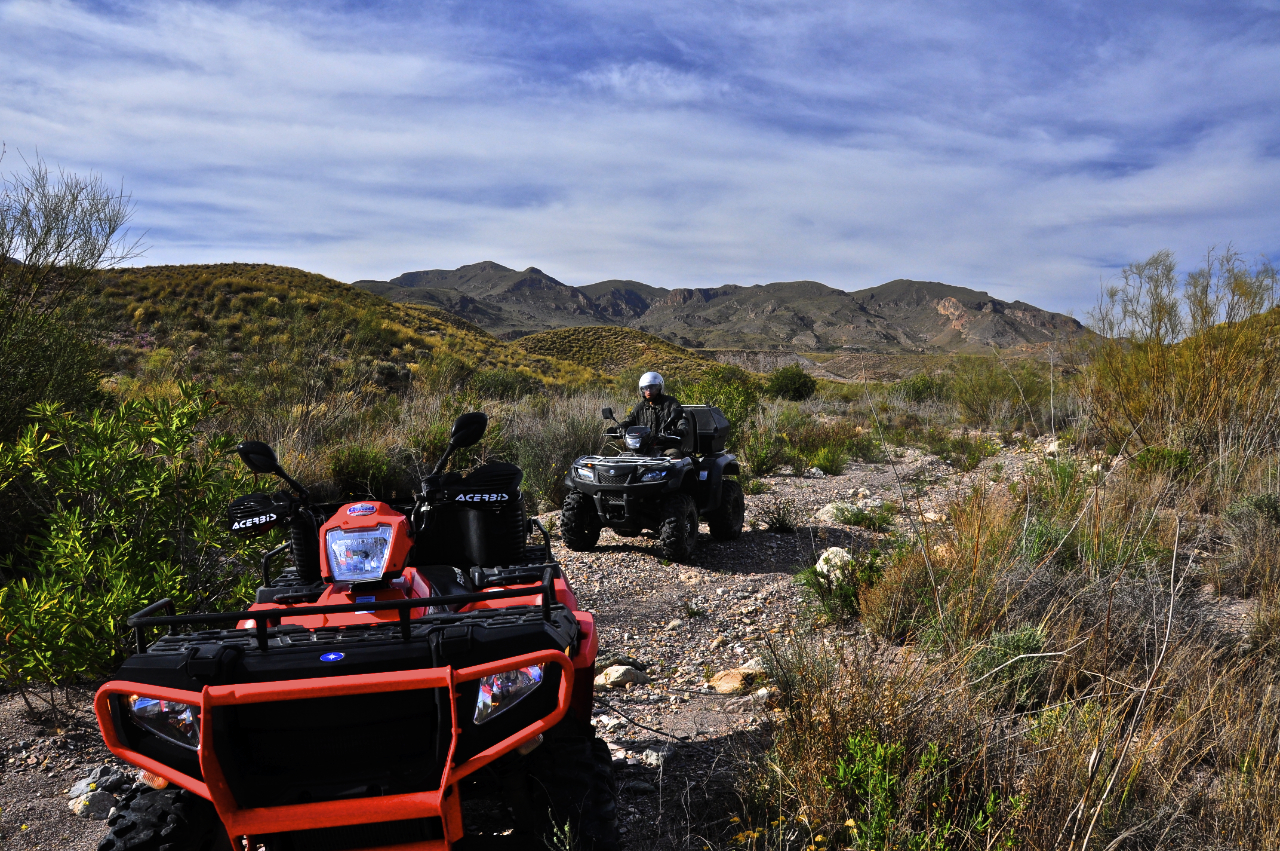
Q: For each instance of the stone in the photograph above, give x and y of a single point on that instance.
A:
(829, 512)
(755, 665)
(675, 624)
(95, 805)
(717, 642)
(620, 676)
(81, 788)
(814, 473)
(833, 561)
(640, 787)
(610, 659)
(933, 517)
(733, 681)
(655, 757)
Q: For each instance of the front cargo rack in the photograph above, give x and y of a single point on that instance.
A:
(262, 618)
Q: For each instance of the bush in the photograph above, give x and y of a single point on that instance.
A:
(830, 460)
(792, 383)
(923, 387)
(838, 584)
(1020, 684)
(132, 509)
(997, 393)
(506, 384)
(365, 472)
(1153, 460)
(878, 520)
(731, 389)
(782, 515)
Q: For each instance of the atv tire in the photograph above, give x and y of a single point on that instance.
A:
(678, 532)
(579, 523)
(725, 522)
(172, 819)
(569, 789)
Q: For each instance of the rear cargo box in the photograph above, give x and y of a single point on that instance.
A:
(706, 429)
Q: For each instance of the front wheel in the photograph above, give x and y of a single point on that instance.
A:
(171, 819)
(579, 523)
(678, 532)
(725, 522)
(569, 797)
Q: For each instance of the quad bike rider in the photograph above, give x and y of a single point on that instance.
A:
(672, 472)
(414, 656)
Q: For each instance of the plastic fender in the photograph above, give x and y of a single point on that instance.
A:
(676, 478)
(584, 664)
(715, 477)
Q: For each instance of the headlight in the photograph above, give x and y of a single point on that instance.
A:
(500, 692)
(358, 555)
(653, 476)
(633, 442)
(586, 473)
(177, 722)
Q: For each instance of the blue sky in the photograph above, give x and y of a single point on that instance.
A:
(1027, 149)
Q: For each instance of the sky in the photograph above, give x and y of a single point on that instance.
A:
(1027, 149)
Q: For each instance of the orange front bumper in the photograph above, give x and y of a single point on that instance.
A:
(443, 803)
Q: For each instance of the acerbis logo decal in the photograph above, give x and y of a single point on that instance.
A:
(253, 521)
(362, 508)
(482, 497)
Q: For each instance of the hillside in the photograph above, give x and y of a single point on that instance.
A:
(899, 316)
(237, 310)
(613, 351)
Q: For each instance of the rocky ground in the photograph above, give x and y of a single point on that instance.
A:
(676, 739)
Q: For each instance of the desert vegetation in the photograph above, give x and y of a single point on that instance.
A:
(1083, 655)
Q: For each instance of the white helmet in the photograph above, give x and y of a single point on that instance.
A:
(651, 379)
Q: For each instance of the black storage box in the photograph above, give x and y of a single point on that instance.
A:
(706, 429)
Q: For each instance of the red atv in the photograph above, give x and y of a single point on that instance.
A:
(413, 656)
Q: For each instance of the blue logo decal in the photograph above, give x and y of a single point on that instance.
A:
(362, 508)
(332, 657)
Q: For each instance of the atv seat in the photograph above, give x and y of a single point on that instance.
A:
(445, 579)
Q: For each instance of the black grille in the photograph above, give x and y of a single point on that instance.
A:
(379, 834)
(606, 479)
(331, 748)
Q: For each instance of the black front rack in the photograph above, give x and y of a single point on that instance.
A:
(264, 619)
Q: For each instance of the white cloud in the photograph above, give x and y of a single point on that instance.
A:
(690, 147)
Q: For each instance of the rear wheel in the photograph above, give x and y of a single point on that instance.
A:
(579, 523)
(569, 798)
(172, 819)
(725, 522)
(678, 532)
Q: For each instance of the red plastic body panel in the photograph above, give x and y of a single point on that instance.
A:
(444, 802)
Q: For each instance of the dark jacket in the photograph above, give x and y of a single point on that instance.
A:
(662, 412)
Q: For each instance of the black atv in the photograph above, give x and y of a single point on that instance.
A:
(644, 489)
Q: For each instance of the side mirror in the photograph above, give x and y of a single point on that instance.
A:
(468, 429)
(606, 413)
(259, 458)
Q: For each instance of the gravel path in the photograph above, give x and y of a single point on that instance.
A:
(675, 740)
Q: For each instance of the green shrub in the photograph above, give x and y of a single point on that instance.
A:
(507, 384)
(879, 520)
(994, 392)
(838, 590)
(132, 509)
(830, 460)
(792, 383)
(1176, 463)
(366, 472)
(923, 387)
(1018, 684)
(782, 515)
(731, 389)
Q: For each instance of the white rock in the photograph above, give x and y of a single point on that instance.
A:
(754, 666)
(832, 561)
(82, 787)
(829, 512)
(933, 517)
(619, 675)
(95, 805)
(675, 624)
(655, 757)
(1052, 448)
(814, 473)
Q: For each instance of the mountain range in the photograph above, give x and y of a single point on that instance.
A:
(899, 316)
